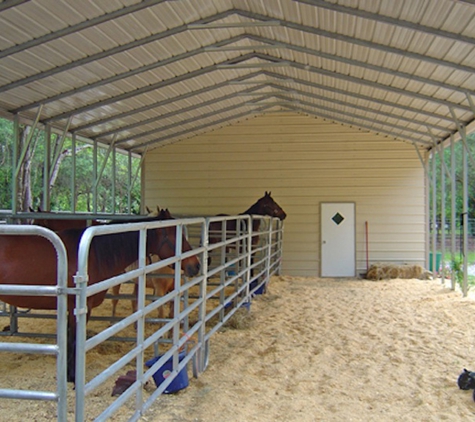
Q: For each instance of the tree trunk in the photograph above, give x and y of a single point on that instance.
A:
(25, 199)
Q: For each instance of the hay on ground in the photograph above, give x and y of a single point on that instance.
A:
(392, 271)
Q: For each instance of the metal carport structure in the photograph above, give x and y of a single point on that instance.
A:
(140, 75)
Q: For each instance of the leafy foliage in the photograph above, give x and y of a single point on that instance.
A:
(61, 176)
(458, 151)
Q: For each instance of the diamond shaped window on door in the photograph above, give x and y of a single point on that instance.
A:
(338, 218)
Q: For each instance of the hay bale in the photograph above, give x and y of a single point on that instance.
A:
(391, 271)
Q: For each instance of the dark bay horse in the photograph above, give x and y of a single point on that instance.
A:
(59, 224)
(265, 206)
(31, 260)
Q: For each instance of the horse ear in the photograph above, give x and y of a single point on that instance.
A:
(38, 209)
(31, 209)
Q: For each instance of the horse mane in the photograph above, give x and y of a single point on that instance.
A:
(115, 249)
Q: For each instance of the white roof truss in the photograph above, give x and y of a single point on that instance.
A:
(141, 74)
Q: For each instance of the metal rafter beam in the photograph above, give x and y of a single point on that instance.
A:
(314, 85)
(249, 15)
(357, 106)
(353, 124)
(107, 53)
(78, 27)
(387, 19)
(7, 4)
(127, 74)
(224, 44)
(353, 62)
(239, 60)
(357, 41)
(174, 113)
(130, 94)
(181, 123)
(144, 89)
(201, 127)
(357, 117)
(152, 106)
(358, 81)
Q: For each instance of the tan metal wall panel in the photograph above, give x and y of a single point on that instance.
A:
(303, 161)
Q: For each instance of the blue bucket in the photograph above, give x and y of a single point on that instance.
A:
(261, 290)
(246, 305)
(181, 380)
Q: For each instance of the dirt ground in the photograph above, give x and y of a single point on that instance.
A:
(314, 350)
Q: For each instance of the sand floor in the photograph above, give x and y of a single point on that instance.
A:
(317, 350)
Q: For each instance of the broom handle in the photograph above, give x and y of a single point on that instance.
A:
(367, 246)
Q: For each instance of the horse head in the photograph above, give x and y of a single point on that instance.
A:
(267, 206)
(151, 213)
(165, 245)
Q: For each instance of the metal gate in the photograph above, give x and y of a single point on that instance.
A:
(239, 268)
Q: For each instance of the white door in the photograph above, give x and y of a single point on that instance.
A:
(338, 240)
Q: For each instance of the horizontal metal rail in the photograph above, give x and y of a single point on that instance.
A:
(235, 266)
(59, 349)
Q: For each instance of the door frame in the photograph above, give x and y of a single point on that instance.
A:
(322, 204)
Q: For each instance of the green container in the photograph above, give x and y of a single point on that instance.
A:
(438, 260)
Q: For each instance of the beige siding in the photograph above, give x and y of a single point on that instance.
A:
(303, 161)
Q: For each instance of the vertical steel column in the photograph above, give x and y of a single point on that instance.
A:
(443, 170)
(453, 213)
(94, 178)
(465, 212)
(132, 181)
(434, 212)
(425, 166)
(114, 170)
(73, 173)
(129, 182)
(46, 205)
(16, 144)
(100, 172)
(442, 216)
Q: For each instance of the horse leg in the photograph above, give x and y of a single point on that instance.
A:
(133, 302)
(115, 292)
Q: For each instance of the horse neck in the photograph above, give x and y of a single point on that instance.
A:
(253, 209)
(117, 251)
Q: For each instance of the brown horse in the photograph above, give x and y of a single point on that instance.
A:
(265, 206)
(59, 224)
(31, 260)
(154, 280)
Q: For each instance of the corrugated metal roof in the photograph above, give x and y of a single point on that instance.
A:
(143, 74)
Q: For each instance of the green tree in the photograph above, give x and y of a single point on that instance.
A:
(60, 178)
(458, 151)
